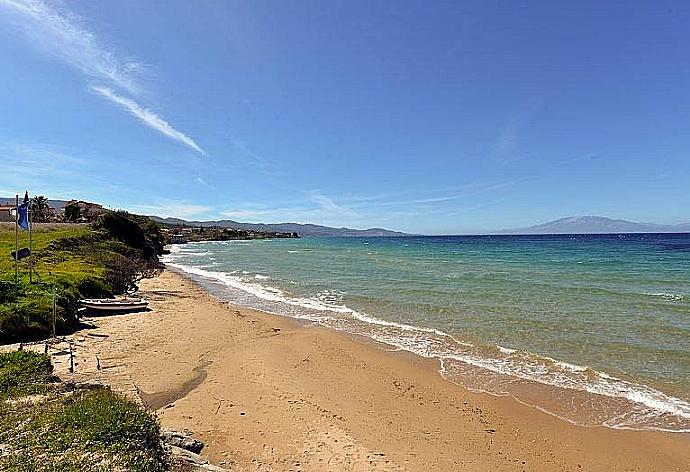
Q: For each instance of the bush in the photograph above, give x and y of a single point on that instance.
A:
(19, 369)
(103, 417)
(8, 292)
(92, 287)
(142, 235)
(27, 318)
(88, 430)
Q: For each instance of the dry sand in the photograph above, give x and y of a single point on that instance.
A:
(266, 393)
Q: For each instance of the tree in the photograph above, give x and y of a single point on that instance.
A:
(40, 210)
(72, 212)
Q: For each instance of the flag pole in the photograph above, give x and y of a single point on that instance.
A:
(16, 241)
(30, 261)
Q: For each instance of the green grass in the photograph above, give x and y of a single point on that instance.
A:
(42, 426)
(88, 430)
(42, 235)
(77, 261)
(24, 373)
(26, 309)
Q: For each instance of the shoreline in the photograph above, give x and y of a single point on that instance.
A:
(574, 393)
(267, 392)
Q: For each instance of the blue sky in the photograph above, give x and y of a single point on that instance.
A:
(434, 117)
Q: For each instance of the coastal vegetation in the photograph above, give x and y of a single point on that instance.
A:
(176, 233)
(69, 262)
(47, 425)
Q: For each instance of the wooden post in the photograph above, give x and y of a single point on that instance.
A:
(54, 310)
(31, 256)
(71, 358)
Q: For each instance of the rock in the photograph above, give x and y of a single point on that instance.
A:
(179, 454)
(212, 468)
(180, 440)
(190, 460)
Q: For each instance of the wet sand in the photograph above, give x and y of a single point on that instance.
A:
(268, 393)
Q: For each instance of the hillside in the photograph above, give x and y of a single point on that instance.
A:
(73, 261)
(301, 229)
(596, 225)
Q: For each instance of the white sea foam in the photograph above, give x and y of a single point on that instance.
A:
(671, 297)
(650, 408)
(506, 350)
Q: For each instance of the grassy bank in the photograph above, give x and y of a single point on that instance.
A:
(48, 426)
(72, 261)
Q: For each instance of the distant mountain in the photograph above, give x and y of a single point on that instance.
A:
(54, 204)
(301, 229)
(596, 225)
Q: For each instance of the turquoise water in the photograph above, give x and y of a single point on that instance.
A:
(594, 329)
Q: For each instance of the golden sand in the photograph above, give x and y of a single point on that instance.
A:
(266, 393)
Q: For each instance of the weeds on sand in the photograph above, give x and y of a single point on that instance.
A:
(94, 429)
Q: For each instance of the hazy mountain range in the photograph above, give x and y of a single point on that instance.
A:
(596, 225)
(301, 229)
(569, 225)
(55, 204)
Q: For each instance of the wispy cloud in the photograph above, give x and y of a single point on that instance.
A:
(173, 208)
(62, 35)
(52, 170)
(148, 117)
(317, 208)
(508, 137)
(203, 182)
(328, 205)
(247, 157)
(42, 161)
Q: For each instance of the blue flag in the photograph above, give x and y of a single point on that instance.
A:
(23, 220)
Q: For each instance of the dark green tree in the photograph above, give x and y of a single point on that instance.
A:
(40, 210)
(72, 212)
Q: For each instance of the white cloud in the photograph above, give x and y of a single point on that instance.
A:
(319, 209)
(52, 170)
(148, 117)
(62, 35)
(203, 182)
(174, 209)
(327, 205)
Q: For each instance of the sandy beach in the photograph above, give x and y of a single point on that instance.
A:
(268, 393)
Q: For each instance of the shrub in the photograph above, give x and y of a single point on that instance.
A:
(92, 287)
(101, 416)
(88, 430)
(19, 369)
(8, 292)
(142, 235)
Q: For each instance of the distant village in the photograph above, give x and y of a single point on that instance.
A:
(80, 211)
(180, 234)
(72, 211)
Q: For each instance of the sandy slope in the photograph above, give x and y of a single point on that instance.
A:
(266, 393)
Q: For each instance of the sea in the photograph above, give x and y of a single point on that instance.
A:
(594, 329)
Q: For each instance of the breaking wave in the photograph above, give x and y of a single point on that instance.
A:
(580, 394)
